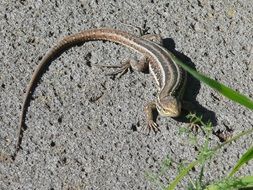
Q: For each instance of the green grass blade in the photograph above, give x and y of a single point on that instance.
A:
(224, 90)
(246, 157)
(181, 175)
(243, 182)
(186, 170)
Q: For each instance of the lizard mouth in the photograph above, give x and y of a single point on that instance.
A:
(170, 113)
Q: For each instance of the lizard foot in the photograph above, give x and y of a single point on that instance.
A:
(121, 69)
(152, 126)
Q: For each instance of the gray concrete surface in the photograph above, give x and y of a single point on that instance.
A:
(74, 143)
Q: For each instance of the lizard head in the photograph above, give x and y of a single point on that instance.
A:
(169, 106)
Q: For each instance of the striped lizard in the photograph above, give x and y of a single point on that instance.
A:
(170, 78)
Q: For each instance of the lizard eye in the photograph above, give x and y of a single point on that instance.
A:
(169, 106)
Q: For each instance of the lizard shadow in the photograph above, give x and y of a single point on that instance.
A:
(193, 87)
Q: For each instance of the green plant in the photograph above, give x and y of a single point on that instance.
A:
(205, 154)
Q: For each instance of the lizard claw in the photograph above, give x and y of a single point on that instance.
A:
(194, 127)
(152, 126)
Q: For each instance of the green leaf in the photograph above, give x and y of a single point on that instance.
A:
(224, 90)
(246, 157)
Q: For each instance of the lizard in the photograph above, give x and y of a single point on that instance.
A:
(170, 78)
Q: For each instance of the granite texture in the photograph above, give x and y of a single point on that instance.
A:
(84, 127)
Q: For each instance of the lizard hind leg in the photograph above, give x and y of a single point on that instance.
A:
(121, 69)
(140, 65)
(144, 34)
(154, 38)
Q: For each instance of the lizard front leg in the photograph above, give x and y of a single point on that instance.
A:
(148, 109)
